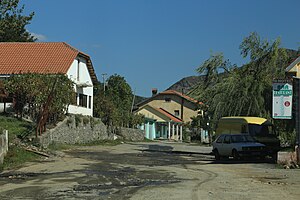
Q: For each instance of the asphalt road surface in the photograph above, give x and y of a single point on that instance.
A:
(139, 171)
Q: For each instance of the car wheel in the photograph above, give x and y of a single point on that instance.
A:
(217, 155)
(225, 157)
(235, 154)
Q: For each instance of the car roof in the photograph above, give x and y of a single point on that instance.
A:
(249, 120)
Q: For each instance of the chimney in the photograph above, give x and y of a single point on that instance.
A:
(154, 91)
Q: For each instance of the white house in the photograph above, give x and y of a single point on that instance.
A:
(51, 58)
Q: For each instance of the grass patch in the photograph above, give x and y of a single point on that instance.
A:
(16, 127)
(16, 157)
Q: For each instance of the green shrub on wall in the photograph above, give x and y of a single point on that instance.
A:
(78, 120)
(85, 120)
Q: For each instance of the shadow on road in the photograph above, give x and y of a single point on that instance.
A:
(205, 156)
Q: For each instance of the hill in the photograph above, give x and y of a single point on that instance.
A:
(187, 83)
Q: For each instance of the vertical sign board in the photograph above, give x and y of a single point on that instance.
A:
(282, 99)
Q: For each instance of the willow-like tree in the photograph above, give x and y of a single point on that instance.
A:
(13, 23)
(241, 91)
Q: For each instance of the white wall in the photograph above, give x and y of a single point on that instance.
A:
(9, 107)
(84, 77)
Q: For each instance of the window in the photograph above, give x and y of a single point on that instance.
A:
(83, 100)
(167, 99)
(227, 139)
(244, 129)
(90, 101)
(176, 112)
(220, 139)
(260, 130)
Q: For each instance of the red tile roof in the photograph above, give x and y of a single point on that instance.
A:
(169, 115)
(164, 113)
(39, 57)
(173, 92)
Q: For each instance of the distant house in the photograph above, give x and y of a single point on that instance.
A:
(166, 112)
(51, 58)
(294, 68)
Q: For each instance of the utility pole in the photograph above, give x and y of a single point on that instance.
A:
(296, 88)
(104, 80)
(133, 101)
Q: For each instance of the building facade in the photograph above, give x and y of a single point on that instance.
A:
(166, 113)
(51, 58)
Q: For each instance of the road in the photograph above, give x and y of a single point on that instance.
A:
(137, 171)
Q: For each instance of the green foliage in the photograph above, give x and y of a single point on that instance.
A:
(113, 105)
(78, 120)
(85, 120)
(241, 91)
(15, 127)
(69, 122)
(41, 93)
(13, 22)
(94, 122)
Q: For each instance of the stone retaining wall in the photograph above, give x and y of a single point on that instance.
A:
(82, 129)
(3, 145)
(132, 134)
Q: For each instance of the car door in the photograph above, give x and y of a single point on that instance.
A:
(227, 145)
(218, 144)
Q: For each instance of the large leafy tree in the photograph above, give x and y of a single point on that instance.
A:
(113, 105)
(45, 96)
(13, 22)
(241, 91)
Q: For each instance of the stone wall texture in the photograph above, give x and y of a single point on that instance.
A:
(131, 134)
(82, 130)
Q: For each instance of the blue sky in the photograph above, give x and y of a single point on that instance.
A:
(155, 43)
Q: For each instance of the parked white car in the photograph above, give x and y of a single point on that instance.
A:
(237, 146)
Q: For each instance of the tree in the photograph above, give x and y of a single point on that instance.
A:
(44, 95)
(245, 90)
(13, 22)
(113, 105)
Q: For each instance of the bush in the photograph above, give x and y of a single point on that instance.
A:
(288, 139)
(78, 120)
(85, 120)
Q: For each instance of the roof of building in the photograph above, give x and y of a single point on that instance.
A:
(174, 92)
(170, 92)
(162, 113)
(169, 115)
(291, 68)
(40, 57)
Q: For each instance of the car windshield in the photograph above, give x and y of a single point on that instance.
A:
(260, 130)
(242, 138)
